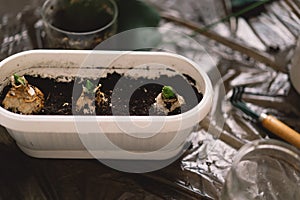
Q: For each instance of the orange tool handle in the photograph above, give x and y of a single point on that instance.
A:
(280, 129)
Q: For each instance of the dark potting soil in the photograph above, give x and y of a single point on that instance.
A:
(91, 17)
(126, 96)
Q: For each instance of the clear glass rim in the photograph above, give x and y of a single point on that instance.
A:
(266, 144)
(115, 16)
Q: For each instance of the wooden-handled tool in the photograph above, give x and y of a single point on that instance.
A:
(280, 129)
(269, 122)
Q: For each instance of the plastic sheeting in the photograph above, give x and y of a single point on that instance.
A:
(201, 171)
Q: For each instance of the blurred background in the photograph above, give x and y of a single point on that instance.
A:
(252, 48)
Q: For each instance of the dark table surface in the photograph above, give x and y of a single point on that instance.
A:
(200, 172)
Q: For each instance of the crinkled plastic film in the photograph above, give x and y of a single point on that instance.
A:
(200, 172)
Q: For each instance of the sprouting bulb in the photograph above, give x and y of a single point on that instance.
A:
(168, 100)
(90, 95)
(22, 97)
(101, 99)
(85, 102)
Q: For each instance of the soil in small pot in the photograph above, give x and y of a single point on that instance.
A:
(82, 16)
(125, 95)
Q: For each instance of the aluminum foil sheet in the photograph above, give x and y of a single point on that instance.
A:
(201, 171)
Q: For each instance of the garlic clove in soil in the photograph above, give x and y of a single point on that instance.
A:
(168, 100)
(101, 99)
(86, 101)
(89, 96)
(23, 97)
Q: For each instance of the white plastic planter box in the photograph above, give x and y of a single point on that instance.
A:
(113, 137)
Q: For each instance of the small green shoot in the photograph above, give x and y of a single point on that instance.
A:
(89, 86)
(19, 80)
(168, 92)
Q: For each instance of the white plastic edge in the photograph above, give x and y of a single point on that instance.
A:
(9, 119)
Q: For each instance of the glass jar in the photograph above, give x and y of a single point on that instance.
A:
(78, 24)
(264, 169)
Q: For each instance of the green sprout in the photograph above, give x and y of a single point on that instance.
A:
(168, 92)
(19, 80)
(89, 86)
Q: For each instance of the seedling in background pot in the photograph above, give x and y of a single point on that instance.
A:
(168, 100)
(22, 97)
